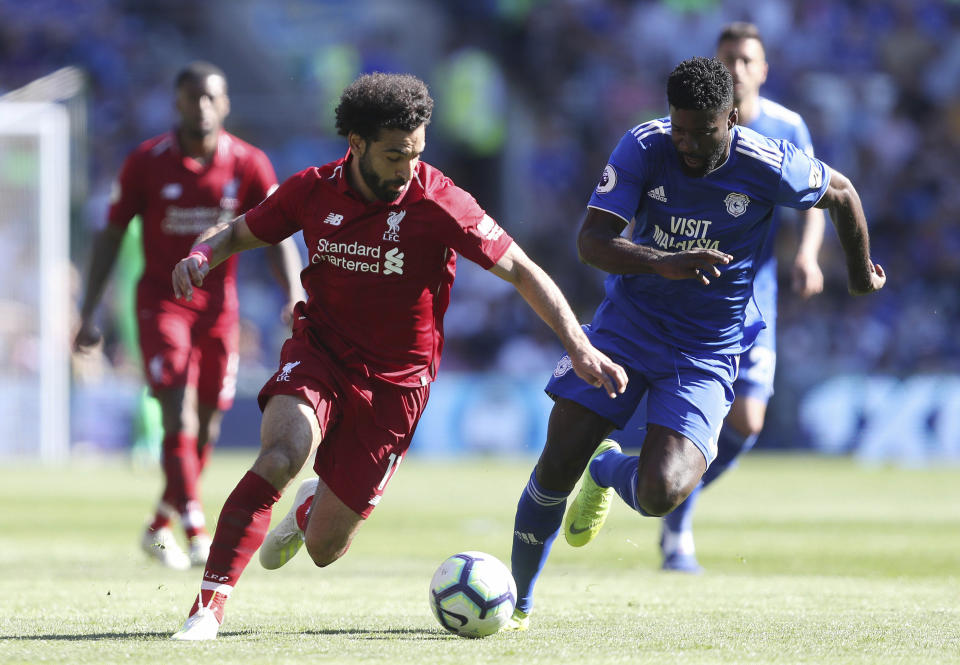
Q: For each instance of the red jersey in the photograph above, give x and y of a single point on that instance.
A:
(379, 278)
(177, 198)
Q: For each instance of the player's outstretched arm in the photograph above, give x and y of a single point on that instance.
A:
(846, 211)
(212, 247)
(543, 295)
(601, 246)
(105, 250)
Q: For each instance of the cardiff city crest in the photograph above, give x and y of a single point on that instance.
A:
(736, 203)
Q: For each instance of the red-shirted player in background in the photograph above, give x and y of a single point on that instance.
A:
(181, 183)
(383, 230)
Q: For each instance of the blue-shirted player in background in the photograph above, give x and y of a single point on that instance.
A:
(679, 308)
(741, 49)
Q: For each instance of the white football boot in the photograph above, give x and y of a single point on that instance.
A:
(199, 549)
(163, 547)
(285, 539)
(202, 625)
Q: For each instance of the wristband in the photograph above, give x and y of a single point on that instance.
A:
(203, 252)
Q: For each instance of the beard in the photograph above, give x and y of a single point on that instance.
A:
(711, 162)
(197, 133)
(381, 188)
(199, 128)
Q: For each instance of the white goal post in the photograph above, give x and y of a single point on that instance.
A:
(35, 276)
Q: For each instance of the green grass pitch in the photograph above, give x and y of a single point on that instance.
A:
(809, 560)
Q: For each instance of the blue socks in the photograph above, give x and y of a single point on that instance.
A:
(540, 511)
(535, 527)
(619, 471)
(730, 445)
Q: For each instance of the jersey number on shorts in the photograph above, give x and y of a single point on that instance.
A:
(391, 469)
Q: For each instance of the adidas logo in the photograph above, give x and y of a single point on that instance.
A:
(658, 194)
(527, 537)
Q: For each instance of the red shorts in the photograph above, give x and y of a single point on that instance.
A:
(182, 347)
(366, 424)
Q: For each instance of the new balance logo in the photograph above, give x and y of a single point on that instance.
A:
(658, 194)
(333, 219)
(393, 262)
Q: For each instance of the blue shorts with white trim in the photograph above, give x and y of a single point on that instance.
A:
(689, 393)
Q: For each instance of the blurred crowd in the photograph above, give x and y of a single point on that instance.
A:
(531, 97)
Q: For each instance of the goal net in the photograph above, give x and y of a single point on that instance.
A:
(35, 275)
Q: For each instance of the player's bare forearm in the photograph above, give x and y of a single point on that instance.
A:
(846, 211)
(212, 247)
(601, 246)
(106, 247)
(811, 233)
(807, 275)
(228, 238)
(545, 298)
(105, 250)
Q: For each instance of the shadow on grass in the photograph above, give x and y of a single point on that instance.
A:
(357, 633)
(89, 636)
(386, 634)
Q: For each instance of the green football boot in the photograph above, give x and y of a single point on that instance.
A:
(588, 512)
(519, 621)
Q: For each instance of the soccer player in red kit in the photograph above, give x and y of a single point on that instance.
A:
(383, 231)
(181, 183)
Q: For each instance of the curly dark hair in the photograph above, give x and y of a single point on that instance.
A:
(383, 101)
(700, 84)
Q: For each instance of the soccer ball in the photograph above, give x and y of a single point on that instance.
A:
(472, 594)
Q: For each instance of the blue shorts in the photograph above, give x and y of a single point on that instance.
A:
(757, 367)
(689, 393)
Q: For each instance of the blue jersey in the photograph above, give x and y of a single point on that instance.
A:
(729, 209)
(776, 122)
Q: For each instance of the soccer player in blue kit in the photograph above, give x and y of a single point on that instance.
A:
(679, 308)
(741, 49)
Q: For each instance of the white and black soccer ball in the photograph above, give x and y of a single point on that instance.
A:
(472, 594)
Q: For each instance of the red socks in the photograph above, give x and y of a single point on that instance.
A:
(180, 467)
(303, 512)
(243, 524)
(181, 471)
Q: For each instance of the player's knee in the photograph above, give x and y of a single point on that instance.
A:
(747, 417)
(180, 422)
(654, 503)
(209, 433)
(748, 423)
(556, 474)
(658, 493)
(278, 464)
(753, 425)
(325, 551)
